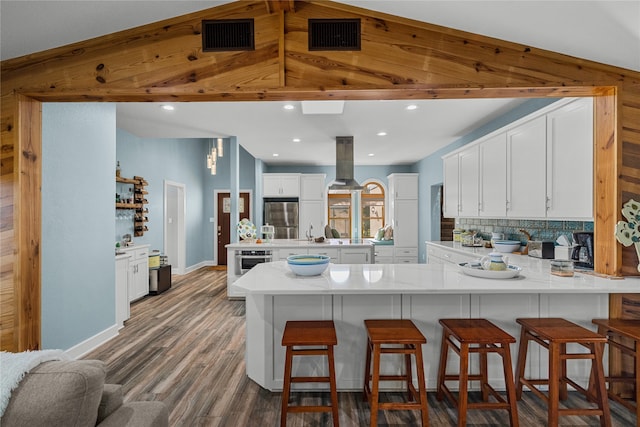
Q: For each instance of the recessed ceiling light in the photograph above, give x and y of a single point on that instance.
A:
(168, 107)
(371, 154)
(411, 107)
(288, 107)
(383, 133)
(296, 139)
(275, 154)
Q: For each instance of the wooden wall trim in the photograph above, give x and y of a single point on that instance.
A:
(606, 190)
(28, 222)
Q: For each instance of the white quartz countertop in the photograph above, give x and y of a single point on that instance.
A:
(301, 243)
(275, 278)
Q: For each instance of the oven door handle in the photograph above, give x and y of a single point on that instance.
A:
(253, 256)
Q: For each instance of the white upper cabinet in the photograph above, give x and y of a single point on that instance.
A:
(280, 185)
(461, 187)
(403, 186)
(526, 170)
(493, 172)
(570, 161)
(312, 186)
(540, 166)
(451, 192)
(469, 187)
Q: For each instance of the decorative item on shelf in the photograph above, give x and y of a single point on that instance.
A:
(118, 168)
(628, 232)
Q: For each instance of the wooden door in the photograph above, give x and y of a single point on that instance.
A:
(224, 217)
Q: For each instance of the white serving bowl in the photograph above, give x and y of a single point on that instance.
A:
(506, 246)
(308, 265)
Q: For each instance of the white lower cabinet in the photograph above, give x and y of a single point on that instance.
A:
(356, 256)
(138, 272)
(122, 290)
(267, 315)
(383, 254)
(405, 255)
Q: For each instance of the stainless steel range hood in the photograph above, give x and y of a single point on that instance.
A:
(344, 165)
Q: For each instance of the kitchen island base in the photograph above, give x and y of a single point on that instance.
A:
(267, 314)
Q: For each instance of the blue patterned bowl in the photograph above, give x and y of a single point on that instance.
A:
(308, 265)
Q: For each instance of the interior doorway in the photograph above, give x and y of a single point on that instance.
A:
(174, 226)
(223, 220)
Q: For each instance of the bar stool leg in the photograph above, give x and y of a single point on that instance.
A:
(554, 381)
(564, 392)
(510, 385)
(637, 358)
(334, 389)
(375, 385)
(287, 386)
(463, 385)
(442, 368)
(367, 373)
(484, 375)
(520, 366)
(423, 386)
(408, 373)
(603, 398)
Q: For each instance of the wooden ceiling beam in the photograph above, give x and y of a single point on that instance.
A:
(275, 6)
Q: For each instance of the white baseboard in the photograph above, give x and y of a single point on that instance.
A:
(198, 265)
(92, 343)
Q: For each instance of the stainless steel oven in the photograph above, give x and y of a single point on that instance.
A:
(246, 259)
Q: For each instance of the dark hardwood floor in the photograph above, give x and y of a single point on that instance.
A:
(185, 347)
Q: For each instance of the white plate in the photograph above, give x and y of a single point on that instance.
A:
(474, 269)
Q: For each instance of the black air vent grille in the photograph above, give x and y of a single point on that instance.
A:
(227, 35)
(334, 34)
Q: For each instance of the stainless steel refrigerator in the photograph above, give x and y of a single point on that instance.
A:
(283, 215)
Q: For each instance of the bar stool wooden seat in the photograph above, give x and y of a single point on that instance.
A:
(483, 337)
(554, 334)
(309, 333)
(380, 334)
(624, 335)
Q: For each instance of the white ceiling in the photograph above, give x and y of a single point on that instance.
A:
(603, 31)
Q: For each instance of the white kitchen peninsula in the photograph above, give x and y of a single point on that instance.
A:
(339, 250)
(350, 293)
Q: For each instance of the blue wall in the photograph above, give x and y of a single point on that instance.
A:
(78, 266)
(182, 161)
(431, 171)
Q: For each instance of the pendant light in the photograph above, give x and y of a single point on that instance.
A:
(212, 156)
(220, 146)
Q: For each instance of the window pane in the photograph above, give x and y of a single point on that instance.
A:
(372, 212)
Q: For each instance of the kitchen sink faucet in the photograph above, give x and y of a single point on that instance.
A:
(309, 233)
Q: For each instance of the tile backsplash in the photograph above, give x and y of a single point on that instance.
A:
(539, 229)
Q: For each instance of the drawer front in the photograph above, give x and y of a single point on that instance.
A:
(383, 251)
(384, 259)
(405, 252)
(406, 260)
(331, 253)
(141, 253)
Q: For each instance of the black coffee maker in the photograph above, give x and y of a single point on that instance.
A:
(582, 254)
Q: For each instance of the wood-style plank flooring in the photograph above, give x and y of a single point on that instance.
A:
(185, 348)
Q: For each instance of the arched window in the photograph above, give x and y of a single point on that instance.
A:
(372, 209)
(340, 212)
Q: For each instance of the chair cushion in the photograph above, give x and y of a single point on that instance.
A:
(58, 393)
(111, 400)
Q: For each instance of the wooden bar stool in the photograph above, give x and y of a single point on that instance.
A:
(489, 339)
(309, 333)
(394, 332)
(554, 334)
(624, 335)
